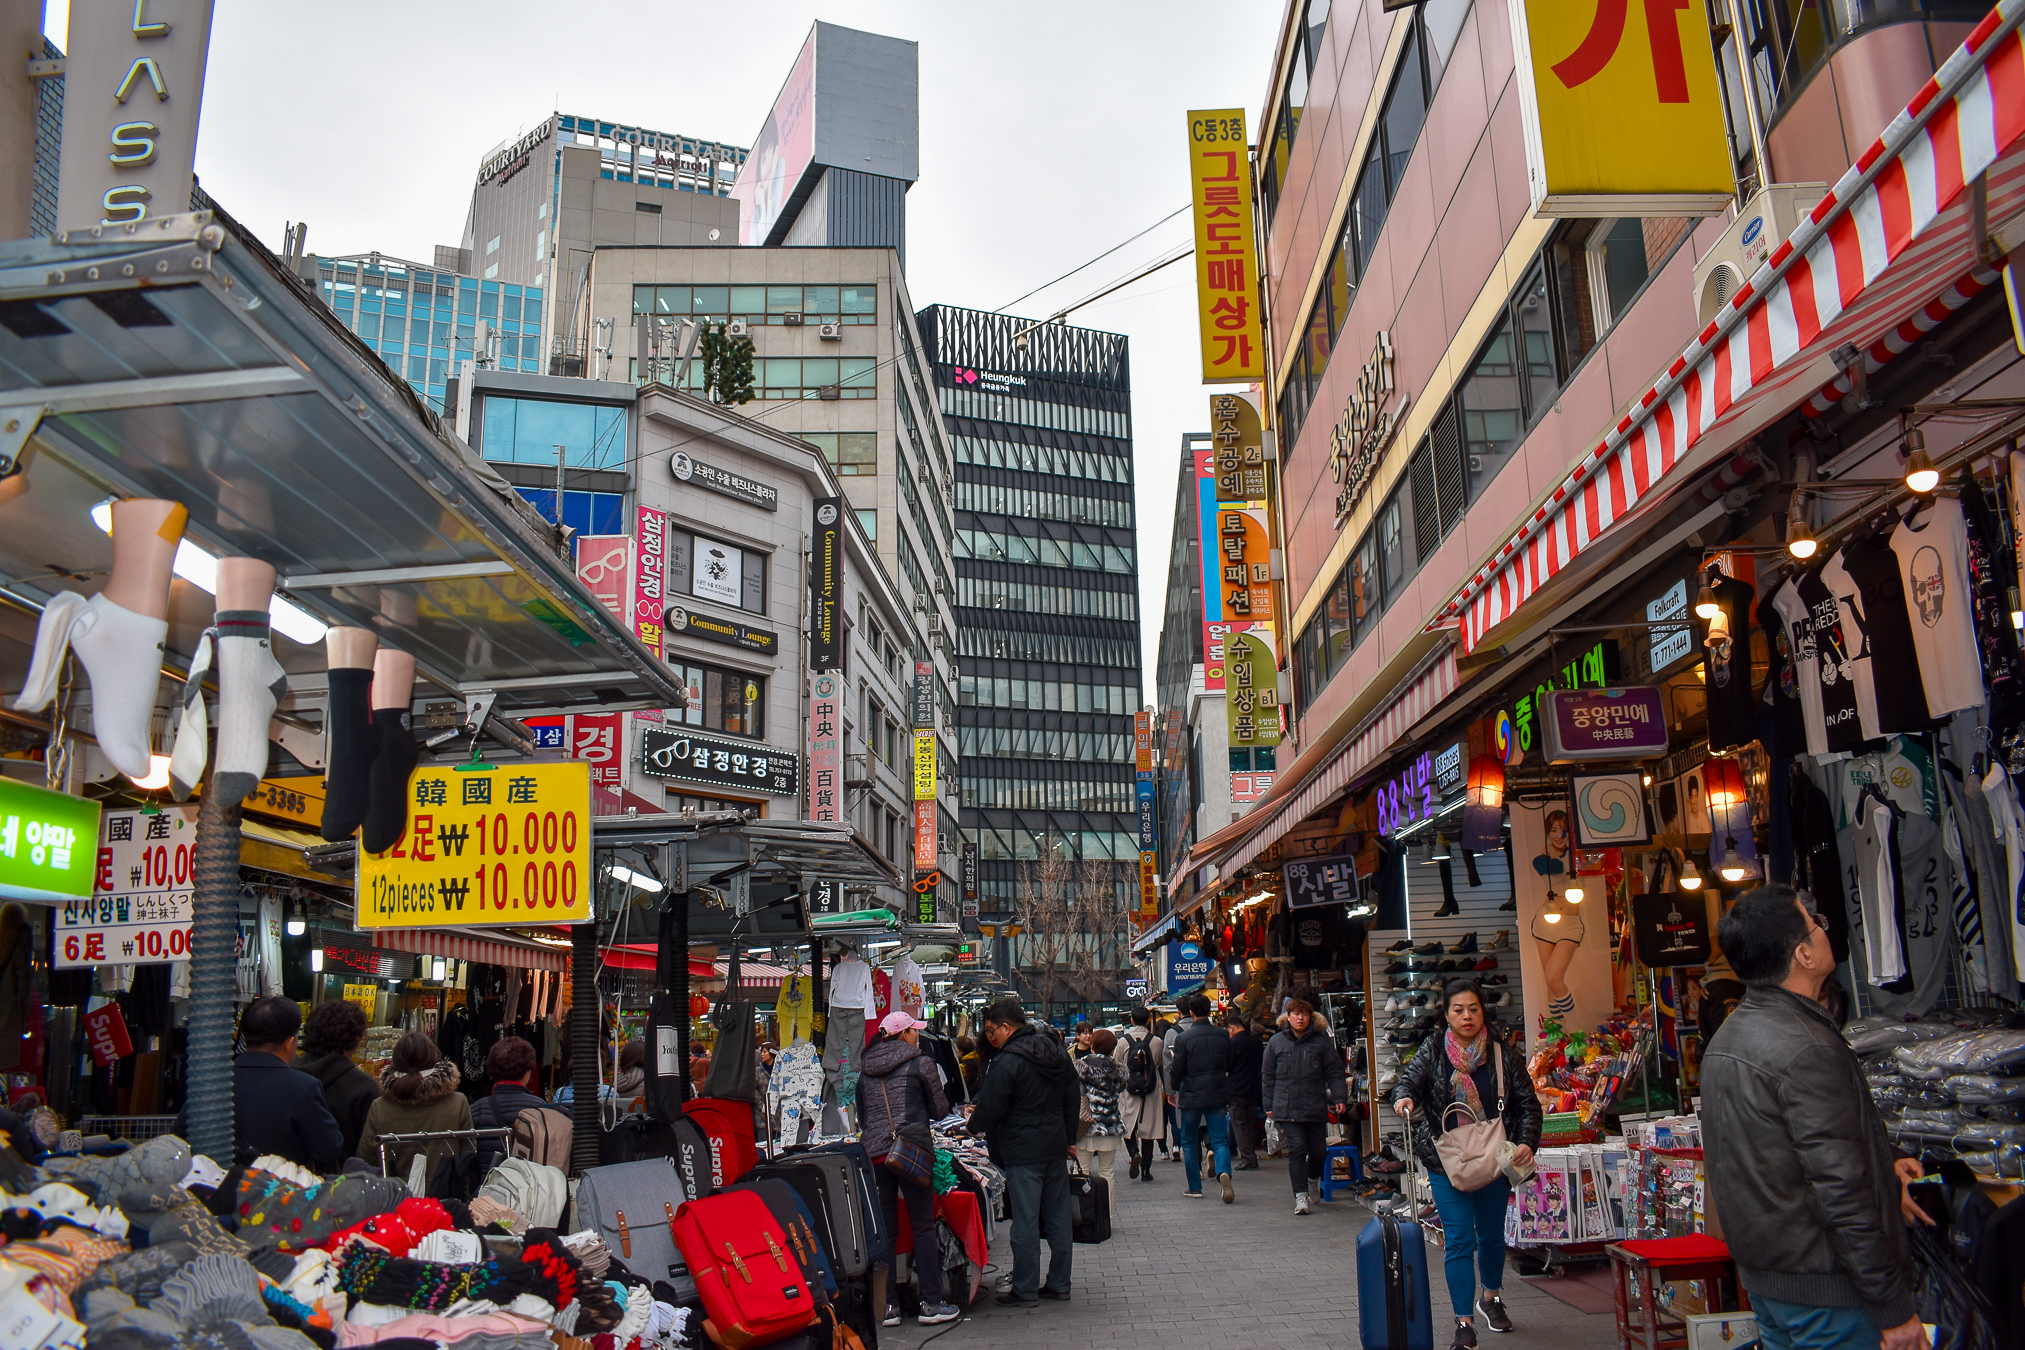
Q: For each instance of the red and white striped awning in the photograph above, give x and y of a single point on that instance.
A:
(1893, 238)
(493, 949)
(1421, 696)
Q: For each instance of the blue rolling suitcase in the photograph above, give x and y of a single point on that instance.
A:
(1393, 1311)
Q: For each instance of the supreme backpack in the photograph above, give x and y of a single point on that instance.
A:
(1140, 1078)
(544, 1136)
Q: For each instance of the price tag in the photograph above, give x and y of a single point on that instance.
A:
(139, 912)
(510, 845)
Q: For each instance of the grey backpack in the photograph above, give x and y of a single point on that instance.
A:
(632, 1207)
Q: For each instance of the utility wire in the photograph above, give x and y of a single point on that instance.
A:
(1099, 258)
(1139, 275)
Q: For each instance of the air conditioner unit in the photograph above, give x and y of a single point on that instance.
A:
(830, 393)
(791, 319)
(736, 328)
(941, 586)
(921, 604)
(1766, 220)
(831, 332)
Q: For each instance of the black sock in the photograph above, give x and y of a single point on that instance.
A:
(1448, 904)
(1470, 866)
(349, 719)
(387, 816)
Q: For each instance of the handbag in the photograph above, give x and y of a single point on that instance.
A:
(911, 1162)
(1670, 928)
(1470, 1153)
(1086, 1119)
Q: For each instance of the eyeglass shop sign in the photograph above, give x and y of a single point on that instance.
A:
(688, 469)
(718, 762)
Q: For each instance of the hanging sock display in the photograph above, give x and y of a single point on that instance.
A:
(394, 758)
(348, 718)
(250, 685)
(192, 750)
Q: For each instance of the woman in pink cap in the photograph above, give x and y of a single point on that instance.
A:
(899, 1092)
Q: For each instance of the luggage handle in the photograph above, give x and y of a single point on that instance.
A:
(671, 1219)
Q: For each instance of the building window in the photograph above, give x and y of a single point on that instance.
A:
(709, 569)
(850, 453)
(775, 305)
(528, 430)
(730, 701)
(584, 512)
(1306, 55)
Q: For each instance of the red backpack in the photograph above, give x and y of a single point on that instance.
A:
(752, 1287)
(734, 1149)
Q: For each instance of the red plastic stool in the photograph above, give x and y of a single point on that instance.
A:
(1650, 1261)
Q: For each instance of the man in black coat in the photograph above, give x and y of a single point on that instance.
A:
(1028, 1110)
(1247, 1054)
(276, 1108)
(1201, 1083)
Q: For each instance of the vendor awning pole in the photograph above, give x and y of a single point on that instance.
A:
(586, 1018)
(213, 961)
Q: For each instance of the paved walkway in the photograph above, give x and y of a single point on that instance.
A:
(1249, 1276)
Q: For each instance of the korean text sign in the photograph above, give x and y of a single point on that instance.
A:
(1621, 100)
(1321, 881)
(510, 845)
(826, 746)
(1226, 264)
(45, 843)
(718, 761)
(140, 908)
(1596, 724)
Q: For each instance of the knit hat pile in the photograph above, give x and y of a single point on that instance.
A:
(399, 1229)
(161, 1161)
(275, 1211)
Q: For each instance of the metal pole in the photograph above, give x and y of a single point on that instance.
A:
(213, 960)
(586, 1014)
(558, 487)
(1750, 92)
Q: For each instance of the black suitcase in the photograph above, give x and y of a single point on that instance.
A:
(1089, 1208)
(833, 1212)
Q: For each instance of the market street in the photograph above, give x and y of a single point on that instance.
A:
(1252, 1275)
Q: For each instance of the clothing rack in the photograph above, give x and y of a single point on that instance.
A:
(499, 1132)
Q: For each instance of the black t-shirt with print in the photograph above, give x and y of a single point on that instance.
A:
(1836, 650)
(1782, 684)
(1894, 660)
(1733, 712)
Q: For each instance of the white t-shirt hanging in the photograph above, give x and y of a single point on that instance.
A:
(270, 945)
(907, 991)
(1799, 623)
(1933, 560)
(851, 986)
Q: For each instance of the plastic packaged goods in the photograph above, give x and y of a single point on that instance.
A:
(1984, 1087)
(1994, 1051)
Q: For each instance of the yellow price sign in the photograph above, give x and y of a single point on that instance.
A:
(508, 845)
(924, 766)
(366, 996)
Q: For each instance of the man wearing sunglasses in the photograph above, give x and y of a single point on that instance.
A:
(1807, 1187)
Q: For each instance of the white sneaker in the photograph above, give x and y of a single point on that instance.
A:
(892, 1315)
(1004, 1285)
(1301, 1204)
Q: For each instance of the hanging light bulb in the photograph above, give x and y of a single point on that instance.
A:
(1920, 474)
(297, 925)
(1733, 868)
(1574, 895)
(1800, 541)
(1719, 630)
(1705, 602)
(1690, 876)
(1551, 917)
(316, 959)
(436, 970)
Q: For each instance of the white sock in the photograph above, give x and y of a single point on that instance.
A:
(193, 728)
(122, 656)
(250, 683)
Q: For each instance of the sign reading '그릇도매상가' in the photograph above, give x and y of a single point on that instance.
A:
(505, 845)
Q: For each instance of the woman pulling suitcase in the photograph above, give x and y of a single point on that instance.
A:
(900, 1092)
(1468, 1074)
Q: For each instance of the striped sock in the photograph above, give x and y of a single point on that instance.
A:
(250, 684)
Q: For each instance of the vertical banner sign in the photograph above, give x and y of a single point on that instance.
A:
(826, 585)
(140, 908)
(924, 766)
(605, 566)
(1215, 623)
(924, 835)
(133, 84)
(1601, 85)
(926, 886)
(1149, 887)
(1251, 696)
(596, 739)
(1244, 486)
(1149, 828)
(924, 694)
(1226, 270)
(826, 746)
(649, 576)
(970, 906)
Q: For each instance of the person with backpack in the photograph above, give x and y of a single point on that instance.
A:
(899, 1092)
(1200, 1079)
(1142, 1106)
(1301, 1075)
(418, 1094)
(514, 1068)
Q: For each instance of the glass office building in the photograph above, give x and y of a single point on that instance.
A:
(423, 321)
(1047, 589)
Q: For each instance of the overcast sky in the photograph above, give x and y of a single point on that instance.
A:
(1050, 131)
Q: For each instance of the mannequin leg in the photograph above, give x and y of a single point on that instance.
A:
(394, 759)
(118, 634)
(250, 681)
(348, 720)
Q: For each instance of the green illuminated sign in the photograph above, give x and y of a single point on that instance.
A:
(48, 843)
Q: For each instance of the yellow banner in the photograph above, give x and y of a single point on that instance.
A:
(1624, 103)
(924, 767)
(1149, 886)
(1226, 252)
(505, 845)
(366, 996)
(298, 799)
(1251, 689)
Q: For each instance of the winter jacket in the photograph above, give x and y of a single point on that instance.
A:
(1428, 1079)
(904, 1078)
(348, 1091)
(1799, 1164)
(1300, 1076)
(1103, 1079)
(1199, 1073)
(1029, 1105)
(632, 1083)
(411, 1103)
(498, 1109)
(1142, 1117)
(1247, 1062)
(279, 1110)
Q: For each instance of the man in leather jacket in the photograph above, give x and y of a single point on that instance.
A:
(1805, 1182)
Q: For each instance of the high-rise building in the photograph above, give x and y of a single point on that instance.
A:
(1047, 588)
